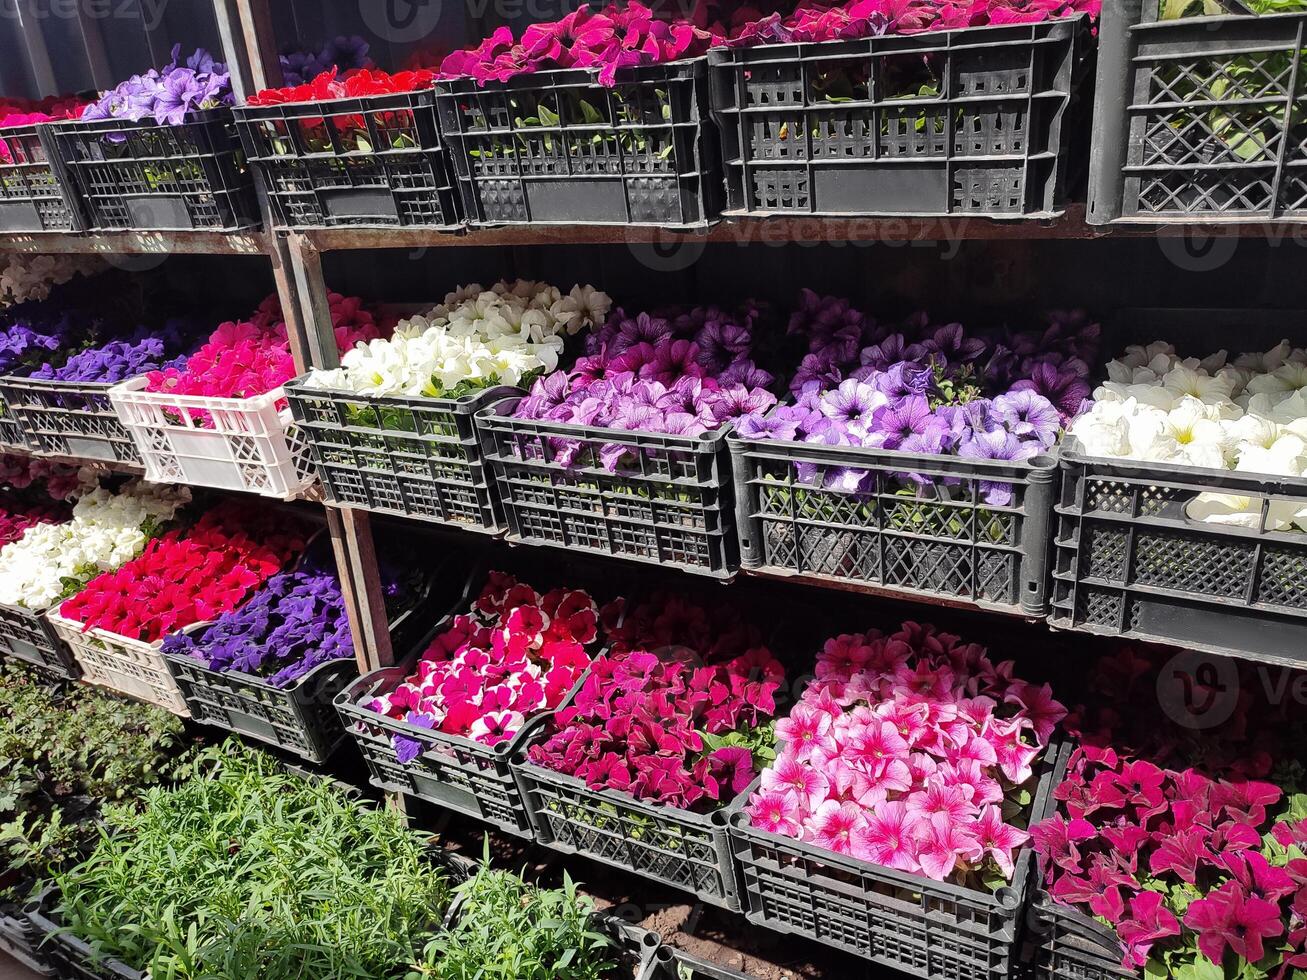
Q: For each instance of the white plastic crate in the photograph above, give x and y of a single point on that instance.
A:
(249, 446)
(121, 664)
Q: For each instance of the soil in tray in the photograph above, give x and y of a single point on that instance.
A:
(722, 937)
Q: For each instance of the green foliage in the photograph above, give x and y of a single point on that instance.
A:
(63, 749)
(248, 871)
(761, 741)
(511, 930)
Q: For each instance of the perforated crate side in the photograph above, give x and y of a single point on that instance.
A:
(669, 503)
(419, 457)
(26, 635)
(121, 664)
(69, 418)
(683, 849)
(449, 771)
(969, 121)
(556, 147)
(920, 926)
(71, 958)
(1130, 561)
(944, 540)
(146, 177)
(12, 433)
(230, 443)
(1066, 944)
(1190, 118)
(34, 191)
(318, 174)
(20, 940)
(299, 719)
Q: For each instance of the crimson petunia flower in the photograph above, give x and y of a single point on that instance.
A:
(1228, 918)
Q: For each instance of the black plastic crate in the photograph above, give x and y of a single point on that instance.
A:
(1130, 561)
(26, 635)
(945, 540)
(20, 940)
(678, 847)
(419, 457)
(1199, 118)
(300, 719)
(12, 433)
(669, 504)
(319, 175)
(970, 121)
(453, 772)
(907, 922)
(558, 147)
(1066, 944)
(69, 418)
(34, 192)
(71, 958)
(145, 177)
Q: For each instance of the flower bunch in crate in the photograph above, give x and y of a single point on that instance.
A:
(355, 148)
(625, 452)
(52, 562)
(33, 190)
(158, 151)
(666, 729)
(220, 419)
(912, 759)
(117, 623)
(34, 491)
(1184, 501)
(271, 668)
(65, 408)
(624, 120)
(443, 723)
(906, 453)
(1176, 851)
(392, 428)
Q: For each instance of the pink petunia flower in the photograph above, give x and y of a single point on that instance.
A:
(776, 812)
(834, 824)
(889, 838)
(942, 844)
(996, 838)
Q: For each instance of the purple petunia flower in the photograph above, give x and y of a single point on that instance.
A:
(898, 421)
(1029, 415)
(767, 427)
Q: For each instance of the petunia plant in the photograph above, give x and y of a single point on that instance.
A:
(188, 576)
(515, 654)
(679, 711)
(1190, 843)
(914, 751)
(169, 96)
(926, 389)
(678, 372)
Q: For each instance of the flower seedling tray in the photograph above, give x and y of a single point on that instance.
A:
(942, 540)
(145, 177)
(1131, 561)
(71, 958)
(69, 418)
(903, 921)
(120, 663)
(371, 162)
(35, 193)
(1067, 944)
(681, 848)
(1199, 118)
(970, 121)
(248, 444)
(556, 147)
(419, 457)
(27, 635)
(301, 718)
(669, 503)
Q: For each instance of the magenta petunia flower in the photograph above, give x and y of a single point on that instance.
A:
(996, 838)
(776, 812)
(834, 824)
(942, 845)
(889, 838)
(788, 774)
(1228, 919)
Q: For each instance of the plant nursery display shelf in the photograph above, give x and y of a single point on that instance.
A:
(138, 243)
